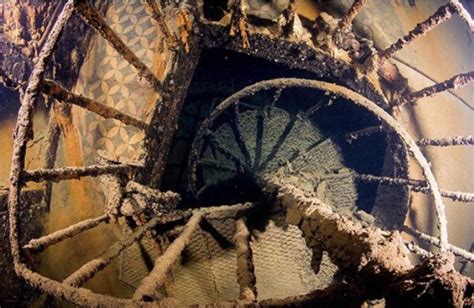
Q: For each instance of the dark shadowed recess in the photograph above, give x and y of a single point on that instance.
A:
(221, 73)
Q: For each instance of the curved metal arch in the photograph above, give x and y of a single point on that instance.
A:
(359, 100)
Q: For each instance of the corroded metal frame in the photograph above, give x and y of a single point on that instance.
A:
(70, 289)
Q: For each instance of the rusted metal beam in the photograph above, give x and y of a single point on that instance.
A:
(56, 91)
(316, 107)
(414, 248)
(346, 21)
(23, 129)
(170, 38)
(229, 211)
(455, 82)
(463, 13)
(114, 193)
(245, 268)
(434, 241)
(91, 268)
(415, 185)
(443, 13)
(163, 264)
(238, 24)
(290, 15)
(363, 133)
(378, 259)
(39, 244)
(68, 173)
(446, 142)
(93, 18)
(50, 152)
(167, 199)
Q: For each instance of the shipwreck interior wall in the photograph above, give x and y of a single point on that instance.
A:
(275, 139)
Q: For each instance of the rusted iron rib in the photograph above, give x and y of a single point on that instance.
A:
(414, 248)
(68, 173)
(163, 264)
(114, 193)
(445, 142)
(339, 235)
(50, 152)
(455, 82)
(229, 211)
(367, 252)
(443, 13)
(97, 22)
(434, 241)
(289, 14)
(24, 126)
(416, 185)
(91, 268)
(168, 199)
(245, 268)
(160, 19)
(346, 21)
(316, 107)
(39, 244)
(238, 24)
(363, 132)
(463, 13)
(53, 89)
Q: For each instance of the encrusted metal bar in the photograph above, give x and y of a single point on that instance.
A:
(276, 97)
(434, 241)
(39, 244)
(455, 82)
(245, 268)
(97, 22)
(68, 173)
(412, 247)
(167, 199)
(53, 89)
(228, 211)
(50, 152)
(91, 268)
(416, 185)
(114, 193)
(463, 13)
(290, 15)
(316, 107)
(443, 13)
(163, 264)
(238, 24)
(377, 258)
(363, 133)
(23, 129)
(457, 195)
(160, 19)
(445, 142)
(346, 21)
